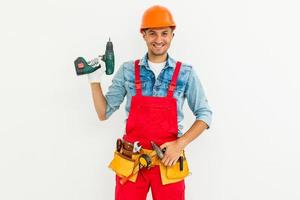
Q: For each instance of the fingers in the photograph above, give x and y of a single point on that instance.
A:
(170, 163)
(173, 163)
(163, 146)
(167, 161)
(170, 154)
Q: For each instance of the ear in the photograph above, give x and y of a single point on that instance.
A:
(144, 34)
(172, 35)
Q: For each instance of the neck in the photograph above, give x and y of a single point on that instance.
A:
(157, 59)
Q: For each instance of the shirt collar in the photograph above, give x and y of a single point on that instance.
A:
(170, 62)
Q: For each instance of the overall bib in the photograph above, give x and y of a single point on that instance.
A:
(151, 119)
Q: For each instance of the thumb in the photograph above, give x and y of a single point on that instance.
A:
(164, 145)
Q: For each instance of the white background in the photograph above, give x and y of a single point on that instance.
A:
(246, 53)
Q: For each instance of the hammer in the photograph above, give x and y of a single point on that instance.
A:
(160, 154)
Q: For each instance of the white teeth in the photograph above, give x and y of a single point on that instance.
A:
(155, 45)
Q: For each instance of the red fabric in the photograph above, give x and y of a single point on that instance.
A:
(149, 178)
(151, 119)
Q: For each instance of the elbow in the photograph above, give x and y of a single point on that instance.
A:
(206, 117)
(102, 117)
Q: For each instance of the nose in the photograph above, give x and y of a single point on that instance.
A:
(158, 39)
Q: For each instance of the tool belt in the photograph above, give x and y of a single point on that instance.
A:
(127, 163)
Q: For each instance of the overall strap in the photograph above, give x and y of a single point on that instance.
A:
(173, 82)
(138, 83)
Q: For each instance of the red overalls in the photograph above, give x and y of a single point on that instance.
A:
(151, 119)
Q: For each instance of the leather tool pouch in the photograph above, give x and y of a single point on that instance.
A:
(122, 165)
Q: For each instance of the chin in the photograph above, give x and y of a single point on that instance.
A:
(158, 53)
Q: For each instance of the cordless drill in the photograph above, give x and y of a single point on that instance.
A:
(85, 67)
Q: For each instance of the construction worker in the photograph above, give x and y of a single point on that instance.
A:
(156, 87)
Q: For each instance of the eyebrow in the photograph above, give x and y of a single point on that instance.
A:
(152, 31)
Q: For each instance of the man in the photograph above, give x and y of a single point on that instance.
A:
(156, 87)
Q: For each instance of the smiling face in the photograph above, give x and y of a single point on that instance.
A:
(158, 41)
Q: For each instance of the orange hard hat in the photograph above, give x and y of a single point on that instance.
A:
(156, 17)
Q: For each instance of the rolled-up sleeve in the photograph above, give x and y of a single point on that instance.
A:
(196, 99)
(116, 92)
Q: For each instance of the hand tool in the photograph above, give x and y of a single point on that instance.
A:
(85, 67)
(159, 152)
(119, 144)
(136, 147)
(181, 163)
(145, 161)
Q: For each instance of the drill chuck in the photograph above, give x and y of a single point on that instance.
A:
(109, 58)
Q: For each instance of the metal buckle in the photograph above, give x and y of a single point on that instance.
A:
(138, 85)
(172, 87)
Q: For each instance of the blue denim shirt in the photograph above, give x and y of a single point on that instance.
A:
(188, 87)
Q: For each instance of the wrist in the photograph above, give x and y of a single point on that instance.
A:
(96, 76)
(182, 142)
